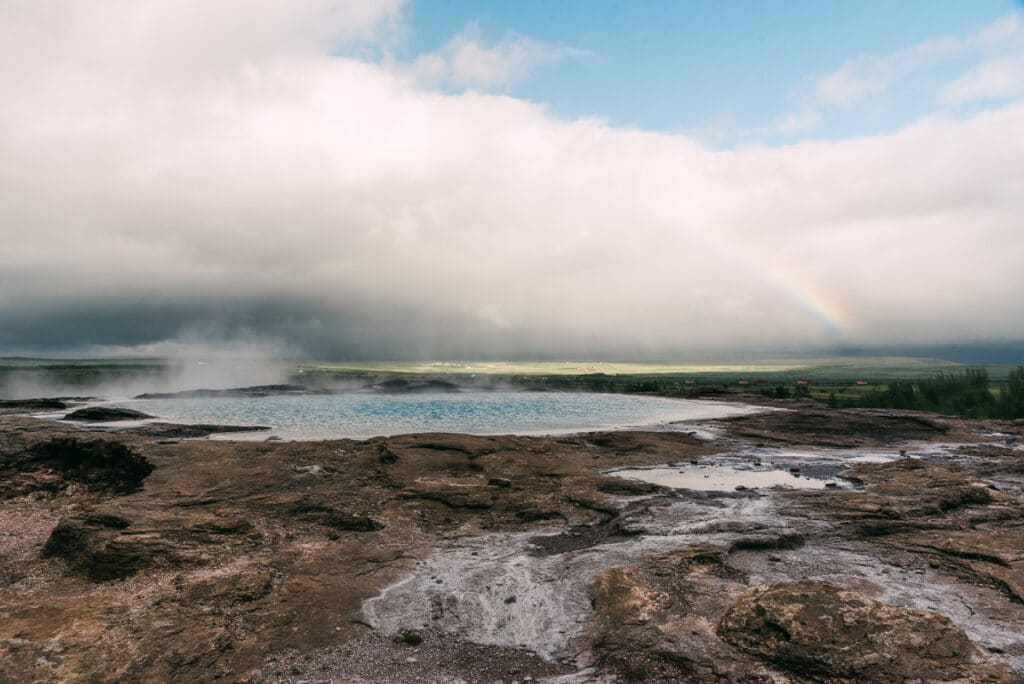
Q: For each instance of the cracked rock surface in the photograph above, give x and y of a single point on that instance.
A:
(126, 556)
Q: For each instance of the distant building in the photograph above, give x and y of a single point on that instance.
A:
(744, 382)
(687, 382)
(803, 382)
(863, 382)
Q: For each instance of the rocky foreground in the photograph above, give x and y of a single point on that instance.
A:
(138, 556)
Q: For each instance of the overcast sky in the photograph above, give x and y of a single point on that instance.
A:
(357, 178)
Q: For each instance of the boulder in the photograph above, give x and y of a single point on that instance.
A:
(97, 547)
(817, 630)
(100, 465)
(105, 414)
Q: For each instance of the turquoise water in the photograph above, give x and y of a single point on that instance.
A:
(361, 415)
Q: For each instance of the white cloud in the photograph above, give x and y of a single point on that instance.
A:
(793, 123)
(465, 62)
(134, 172)
(995, 53)
(993, 80)
(873, 74)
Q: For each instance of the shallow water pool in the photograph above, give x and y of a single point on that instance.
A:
(721, 478)
(365, 414)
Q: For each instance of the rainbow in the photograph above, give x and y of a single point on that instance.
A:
(812, 297)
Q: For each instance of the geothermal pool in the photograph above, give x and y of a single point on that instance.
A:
(360, 415)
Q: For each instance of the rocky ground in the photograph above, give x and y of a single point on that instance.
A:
(136, 555)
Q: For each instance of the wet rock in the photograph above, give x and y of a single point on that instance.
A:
(453, 497)
(386, 455)
(96, 546)
(583, 537)
(325, 514)
(470, 446)
(235, 582)
(768, 542)
(105, 545)
(411, 637)
(838, 428)
(229, 587)
(668, 445)
(403, 386)
(985, 555)
(649, 621)
(105, 414)
(256, 391)
(100, 465)
(623, 487)
(223, 526)
(530, 514)
(30, 405)
(604, 508)
(905, 495)
(178, 431)
(815, 629)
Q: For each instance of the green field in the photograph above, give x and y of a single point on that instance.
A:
(821, 375)
(818, 371)
(829, 369)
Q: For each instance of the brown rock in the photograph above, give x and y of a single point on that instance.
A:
(99, 547)
(824, 427)
(101, 465)
(815, 629)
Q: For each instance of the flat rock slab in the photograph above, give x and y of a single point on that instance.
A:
(814, 629)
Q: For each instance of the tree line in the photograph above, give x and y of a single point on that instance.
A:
(969, 394)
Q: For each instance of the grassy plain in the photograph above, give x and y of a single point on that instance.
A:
(877, 370)
(823, 375)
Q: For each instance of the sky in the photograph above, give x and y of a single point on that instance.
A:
(411, 179)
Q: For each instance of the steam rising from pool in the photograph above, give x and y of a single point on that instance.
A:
(361, 415)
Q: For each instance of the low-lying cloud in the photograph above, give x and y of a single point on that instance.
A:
(167, 167)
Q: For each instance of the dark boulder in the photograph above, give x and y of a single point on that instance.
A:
(403, 386)
(623, 487)
(179, 431)
(100, 465)
(97, 547)
(30, 405)
(324, 514)
(257, 391)
(106, 414)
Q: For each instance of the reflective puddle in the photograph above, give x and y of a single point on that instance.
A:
(726, 478)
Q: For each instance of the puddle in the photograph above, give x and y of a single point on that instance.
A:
(874, 458)
(721, 478)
